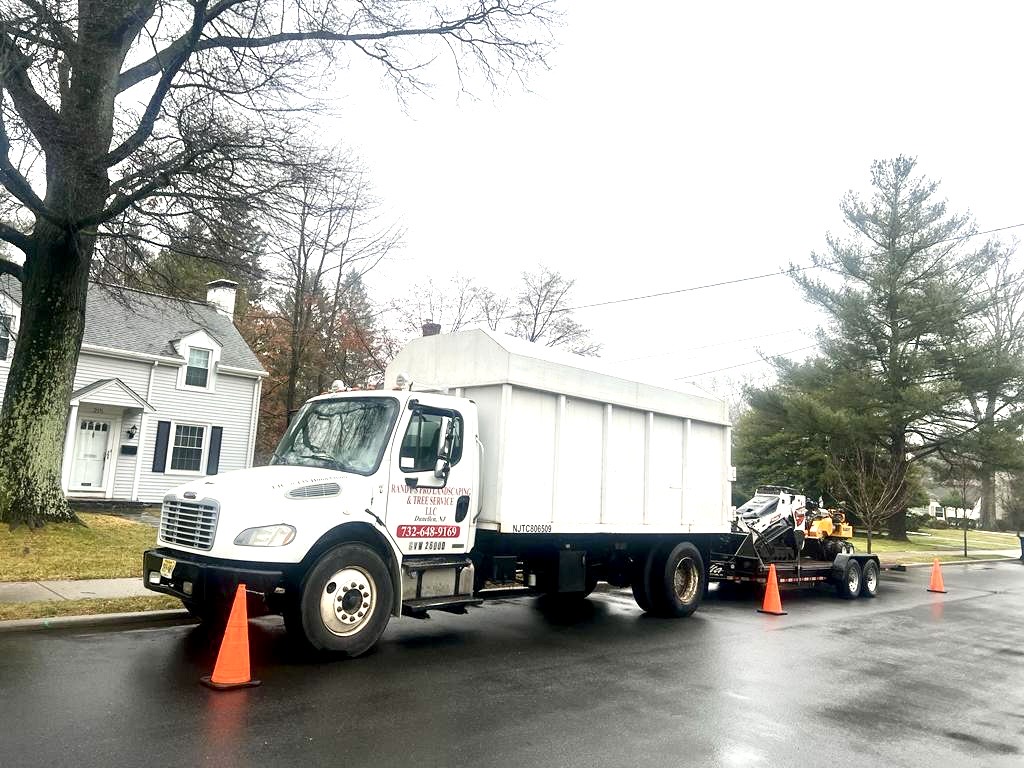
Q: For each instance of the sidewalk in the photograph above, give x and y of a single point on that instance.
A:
(83, 589)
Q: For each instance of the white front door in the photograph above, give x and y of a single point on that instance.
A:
(91, 454)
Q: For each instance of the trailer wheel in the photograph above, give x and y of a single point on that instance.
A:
(677, 582)
(849, 585)
(346, 600)
(869, 579)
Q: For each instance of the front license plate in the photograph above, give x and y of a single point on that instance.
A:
(167, 567)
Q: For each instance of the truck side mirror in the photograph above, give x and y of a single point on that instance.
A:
(441, 469)
(444, 450)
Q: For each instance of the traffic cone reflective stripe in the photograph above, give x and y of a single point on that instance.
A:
(232, 667)
(772, 602)
(936, 584)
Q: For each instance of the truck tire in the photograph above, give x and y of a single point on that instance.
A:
(849, 585)
(346, 600)
(677, 581)
(869, 579)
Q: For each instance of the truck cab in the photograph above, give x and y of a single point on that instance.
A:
(367, 510)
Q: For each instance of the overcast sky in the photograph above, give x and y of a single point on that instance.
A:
(674, 144)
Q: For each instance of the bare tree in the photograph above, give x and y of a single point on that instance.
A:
(874, 486)
(453, 304)
(119, 115)
(541, 312)
(324, 227)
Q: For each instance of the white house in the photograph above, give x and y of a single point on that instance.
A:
(165, 390)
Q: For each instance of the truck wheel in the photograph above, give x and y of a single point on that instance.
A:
(639, 581)
(346, 600)
(869, 579)
(677, 582)
(849, 586)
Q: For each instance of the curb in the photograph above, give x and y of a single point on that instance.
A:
(109, 620)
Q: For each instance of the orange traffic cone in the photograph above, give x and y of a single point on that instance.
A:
(936, 584)
(232, 667)
(772, 603)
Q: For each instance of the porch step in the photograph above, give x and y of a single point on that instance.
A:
(450, 604)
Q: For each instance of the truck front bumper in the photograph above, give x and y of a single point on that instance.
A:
(207, 580)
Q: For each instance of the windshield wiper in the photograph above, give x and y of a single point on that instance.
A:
(325, 457)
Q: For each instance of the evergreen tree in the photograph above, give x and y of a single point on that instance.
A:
(895, 293)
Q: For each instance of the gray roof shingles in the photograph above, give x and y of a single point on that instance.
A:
(134, 321)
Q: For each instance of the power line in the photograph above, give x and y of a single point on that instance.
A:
(749, 278)
(742, 365)
(710, 346)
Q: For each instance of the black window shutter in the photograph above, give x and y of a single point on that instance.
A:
(213, 461)
(163, 433)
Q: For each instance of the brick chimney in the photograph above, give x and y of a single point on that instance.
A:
(430, 328)
(220, 294)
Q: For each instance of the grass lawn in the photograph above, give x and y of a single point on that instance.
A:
(105, 548)
(932, 540)
(52, 608)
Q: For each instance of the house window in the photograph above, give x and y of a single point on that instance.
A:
(187, 452)
(6, 321)
(198, 372)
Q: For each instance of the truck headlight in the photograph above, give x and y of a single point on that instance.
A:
(266, 536)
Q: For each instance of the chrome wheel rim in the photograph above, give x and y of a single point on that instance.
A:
(871, 580)
(685, 580)
(853, 581)
(347, 601)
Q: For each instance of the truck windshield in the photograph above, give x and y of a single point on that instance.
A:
(347, 434)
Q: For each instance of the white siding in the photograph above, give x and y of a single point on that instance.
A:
(124, 472)
(134, 373)
(8, 307)
(230, 408)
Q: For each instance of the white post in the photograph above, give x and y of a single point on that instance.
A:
(69, 448)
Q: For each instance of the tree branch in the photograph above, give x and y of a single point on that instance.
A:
(39, 116)
(178, 59)
(16, 238)
(11, 268)
(153, 66)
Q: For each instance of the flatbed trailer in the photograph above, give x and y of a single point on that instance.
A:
(737, 561)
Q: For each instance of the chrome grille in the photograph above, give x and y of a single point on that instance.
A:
(317, 491)
(189, 523)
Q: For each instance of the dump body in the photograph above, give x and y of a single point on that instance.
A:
(570, 448)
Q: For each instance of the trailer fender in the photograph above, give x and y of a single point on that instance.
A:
(838, 572)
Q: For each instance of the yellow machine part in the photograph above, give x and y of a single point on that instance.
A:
(826, 527)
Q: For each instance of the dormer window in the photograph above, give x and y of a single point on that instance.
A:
(201, 356)
(198, 372)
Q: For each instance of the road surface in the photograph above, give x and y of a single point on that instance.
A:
(908, 679)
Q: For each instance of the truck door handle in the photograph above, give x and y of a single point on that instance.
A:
(461, 508)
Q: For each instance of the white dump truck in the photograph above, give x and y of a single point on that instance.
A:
(486, 463)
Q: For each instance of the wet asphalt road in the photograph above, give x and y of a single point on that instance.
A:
(908, 679)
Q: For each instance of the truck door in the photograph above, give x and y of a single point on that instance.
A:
(427, 514)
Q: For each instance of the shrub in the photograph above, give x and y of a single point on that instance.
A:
(916, 522)
(937, 523)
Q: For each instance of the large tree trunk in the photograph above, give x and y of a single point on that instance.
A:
(33, 422)
(988, 500)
